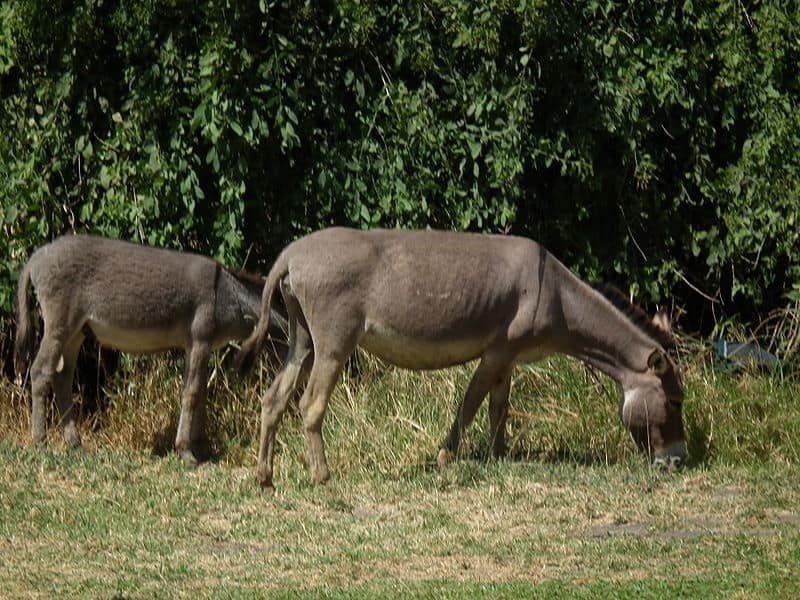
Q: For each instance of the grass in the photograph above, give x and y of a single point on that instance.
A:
(573, 513)
(117, 522)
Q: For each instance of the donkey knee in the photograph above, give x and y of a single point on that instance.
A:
(313, 413)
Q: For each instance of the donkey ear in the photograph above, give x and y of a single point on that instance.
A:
(661, 320)
(658, 362)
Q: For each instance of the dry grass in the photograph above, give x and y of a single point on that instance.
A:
(389, 421)
(574, 510)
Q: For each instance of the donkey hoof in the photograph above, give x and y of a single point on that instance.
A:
(264, 478)
(444, 458)
(189, 460)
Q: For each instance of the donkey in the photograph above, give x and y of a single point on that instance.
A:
(434, 299)
(135, 299)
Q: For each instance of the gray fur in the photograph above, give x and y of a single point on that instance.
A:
(432, 299)
(132, 298)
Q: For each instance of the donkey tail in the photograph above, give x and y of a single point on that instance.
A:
(25, 338)
(252, 346)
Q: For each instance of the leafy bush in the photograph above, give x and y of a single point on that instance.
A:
(648, 143)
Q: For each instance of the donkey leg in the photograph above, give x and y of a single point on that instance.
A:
(498, 414)
(488, 375)
(276, 399)
(201, 445)
(49, 362)
(62, 389)
(273, 405)
(324, 375)
(58, 350)
(43, 370)
(194, 393)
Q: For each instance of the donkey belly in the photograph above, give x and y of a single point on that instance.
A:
(137, 340)
(414, 352)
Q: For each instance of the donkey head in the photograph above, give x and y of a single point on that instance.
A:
(651, 407)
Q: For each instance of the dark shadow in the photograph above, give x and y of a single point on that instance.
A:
(561, 456)
(697, 444)
(696, 449)
(482, 456)
(7, 333)
(163, 441)
(534, 455)
(162, 444)
(96, 366)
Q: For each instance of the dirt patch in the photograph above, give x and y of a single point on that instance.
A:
(239, 548)
(375, 512)
(457, 567)
(712, 528)
(618, 529)
(729, 491)
(784, 517)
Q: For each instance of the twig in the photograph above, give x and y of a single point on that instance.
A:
(626, 34)
(696, 289)
(630, 233)
(747, 18)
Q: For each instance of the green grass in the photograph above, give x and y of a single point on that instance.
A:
(114, 522)
(573, 513)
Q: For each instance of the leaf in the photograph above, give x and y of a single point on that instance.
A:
(474, 149)
(11, 214)
(105, 178)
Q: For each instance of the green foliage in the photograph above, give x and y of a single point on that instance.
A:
(648, 143)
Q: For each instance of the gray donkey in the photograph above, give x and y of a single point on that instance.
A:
(432, 299)
(136, 299)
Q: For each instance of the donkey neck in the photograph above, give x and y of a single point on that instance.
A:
(600, 334)
(238, 304)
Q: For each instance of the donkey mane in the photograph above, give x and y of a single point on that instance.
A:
(253, 280)
(635, 314)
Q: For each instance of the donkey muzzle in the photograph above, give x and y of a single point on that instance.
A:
(672, 457)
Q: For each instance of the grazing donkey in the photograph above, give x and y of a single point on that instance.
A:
(135, 299)
(433, 299)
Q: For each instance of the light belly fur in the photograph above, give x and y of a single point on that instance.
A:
(135, 340)
(412, 352)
